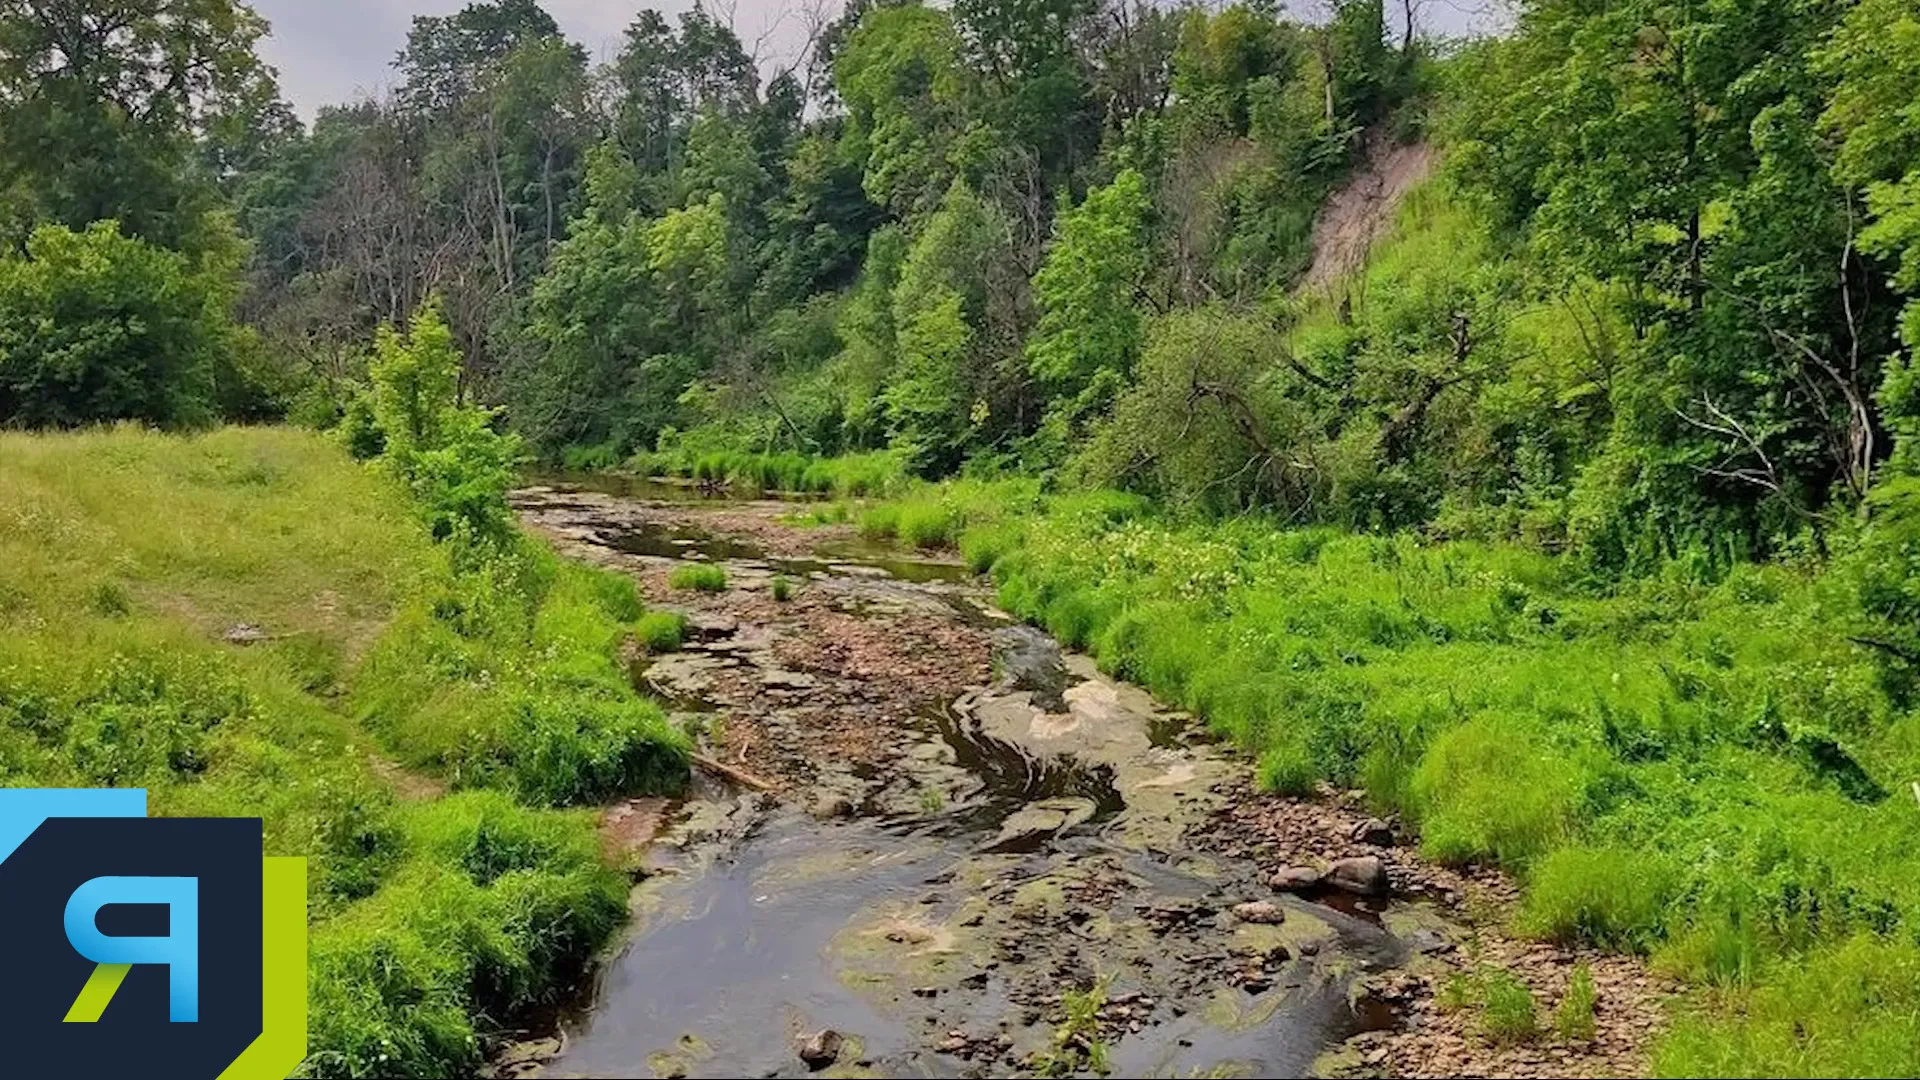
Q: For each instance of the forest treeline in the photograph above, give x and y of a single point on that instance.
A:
(1659, 316)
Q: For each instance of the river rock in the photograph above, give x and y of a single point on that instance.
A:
(1373, 832)
(1048, 817)
(1030, 660)
(1366, 876)
(1295, 879)
(822, 1050)
(1260, 912)
(831, 806)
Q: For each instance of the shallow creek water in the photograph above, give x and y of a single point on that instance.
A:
(1029, 837)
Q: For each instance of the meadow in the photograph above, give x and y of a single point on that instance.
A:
(249, 623)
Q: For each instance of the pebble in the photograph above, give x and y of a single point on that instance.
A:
(1260, 912)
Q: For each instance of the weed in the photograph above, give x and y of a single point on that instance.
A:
(1574, 1018)
(699, 577)
(1076, 1041)
(782, 589)
(110, 599)
(662, 631)
(1507, 1015)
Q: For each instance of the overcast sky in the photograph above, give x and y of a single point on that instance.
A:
(330, 51)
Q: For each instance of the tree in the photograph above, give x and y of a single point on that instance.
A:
(450, 58)
(1090, 327)
(901, 80)
(101, 101)
(1875, 109)
(98, 326)
(667, 78)
(951, 331)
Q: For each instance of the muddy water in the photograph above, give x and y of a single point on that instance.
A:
(937, 901)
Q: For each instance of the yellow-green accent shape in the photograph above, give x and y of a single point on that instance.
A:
(282, 1044)
(98, 993)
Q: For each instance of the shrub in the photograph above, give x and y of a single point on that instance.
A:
(98, 326)
(457, 466)
(699, 577)
(662, 631)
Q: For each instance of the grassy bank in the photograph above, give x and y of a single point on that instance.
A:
(410, 720)
(1711, 773)
(853, 475)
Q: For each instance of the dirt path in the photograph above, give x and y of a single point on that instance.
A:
(983, 857)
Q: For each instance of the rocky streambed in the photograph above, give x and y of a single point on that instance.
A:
(929, 843)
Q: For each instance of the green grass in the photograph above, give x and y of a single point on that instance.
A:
(662, 631)
(1507, 1015)
(936, 516)
(436, 920)
(1573, 1018)
(699, 577)
(782, 589)
(1705, 770)
(854, 475)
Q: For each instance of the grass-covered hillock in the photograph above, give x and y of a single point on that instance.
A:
(370, 669)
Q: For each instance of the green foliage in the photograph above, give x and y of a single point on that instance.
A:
(1688, 769)
(97, 326)
(1610, 896)
(662, 631)
(782, 589)
(1573, 1017)
(457, 466)
(1508, 1015)
(1090, 331)
(495, 911)
(1492, 789)
(1848, 1009)
(699, 577)
(852, 475)
(936, 516)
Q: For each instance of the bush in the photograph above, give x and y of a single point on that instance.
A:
(699, 577)
(662, 631)
(97, 326)
(458, 467)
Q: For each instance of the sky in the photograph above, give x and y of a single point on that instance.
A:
(332, 51)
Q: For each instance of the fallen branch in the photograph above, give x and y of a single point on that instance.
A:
(727, 772)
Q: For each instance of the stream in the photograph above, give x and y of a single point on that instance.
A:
(981, 857)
